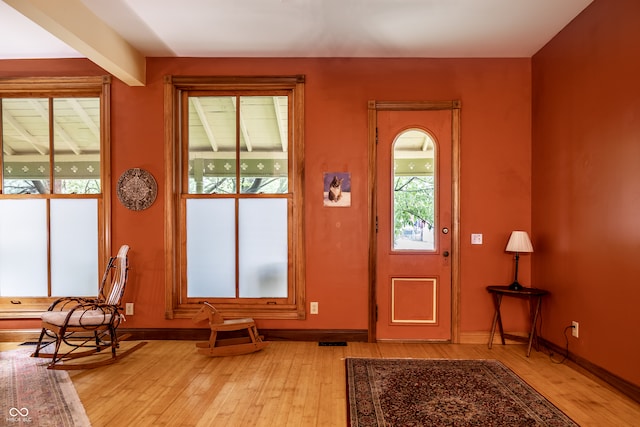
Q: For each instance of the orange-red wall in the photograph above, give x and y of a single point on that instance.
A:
(586, 184)
(495, 172)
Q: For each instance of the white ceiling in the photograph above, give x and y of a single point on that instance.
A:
(304, 28)
(119, 34)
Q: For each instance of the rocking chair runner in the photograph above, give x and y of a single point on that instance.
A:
(88, 325)
(228, 346)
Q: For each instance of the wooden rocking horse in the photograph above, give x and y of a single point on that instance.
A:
(228, 346)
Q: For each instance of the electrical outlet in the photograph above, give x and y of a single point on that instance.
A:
(476, 239)
(575, 329)
(313, 308)
(128, 309)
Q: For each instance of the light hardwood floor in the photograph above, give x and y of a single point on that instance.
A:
(166, 383)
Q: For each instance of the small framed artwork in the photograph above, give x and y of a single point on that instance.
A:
(337, 189)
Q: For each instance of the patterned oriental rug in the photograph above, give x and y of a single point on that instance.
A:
(437, 392)
(32, 395)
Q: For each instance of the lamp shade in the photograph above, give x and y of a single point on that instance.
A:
(519, 242)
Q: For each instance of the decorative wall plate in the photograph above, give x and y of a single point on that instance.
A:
(137, 189)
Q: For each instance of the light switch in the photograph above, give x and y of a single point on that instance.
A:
(476, 239)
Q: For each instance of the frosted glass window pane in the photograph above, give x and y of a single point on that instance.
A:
(263, 248)
(211, 267)
(23, 248)
(74, 247)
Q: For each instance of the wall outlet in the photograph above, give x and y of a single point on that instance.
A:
(128, 309)
(313, 307)
(575, 329)
(476, 239)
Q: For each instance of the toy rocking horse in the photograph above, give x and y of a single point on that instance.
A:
(228, 346)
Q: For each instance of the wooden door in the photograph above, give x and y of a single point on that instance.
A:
(414, 220)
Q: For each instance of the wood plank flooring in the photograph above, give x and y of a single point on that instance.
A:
(166, 383)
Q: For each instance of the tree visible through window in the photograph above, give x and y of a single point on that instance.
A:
(52, 136)
(414, 153)
(238, 195)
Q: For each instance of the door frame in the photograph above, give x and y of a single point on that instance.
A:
(373, 108)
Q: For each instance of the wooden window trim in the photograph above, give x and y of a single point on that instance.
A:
(60, 87)
(176, 305)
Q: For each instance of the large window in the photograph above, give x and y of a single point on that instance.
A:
(53, 139)
(235, 195)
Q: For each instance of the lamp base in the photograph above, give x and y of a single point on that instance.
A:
(515, 286)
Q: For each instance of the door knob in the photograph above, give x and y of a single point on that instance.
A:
(445, 230)
(445, 254)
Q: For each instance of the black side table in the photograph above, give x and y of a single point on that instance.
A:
(535, 302)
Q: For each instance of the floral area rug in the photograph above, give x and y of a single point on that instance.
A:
(437, 392)
(32, 395)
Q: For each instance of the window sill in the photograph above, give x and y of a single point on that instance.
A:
(21, 314)
(284, 313)
(23, 308)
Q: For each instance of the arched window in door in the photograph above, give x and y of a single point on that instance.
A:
(413, 188)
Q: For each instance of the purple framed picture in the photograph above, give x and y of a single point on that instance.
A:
(337, 189)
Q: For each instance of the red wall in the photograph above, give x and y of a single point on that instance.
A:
(586, 177)
(495, 172)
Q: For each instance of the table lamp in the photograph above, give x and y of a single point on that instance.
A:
(518, 242)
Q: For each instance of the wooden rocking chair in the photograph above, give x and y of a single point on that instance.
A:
(228, 346)
(87, 326)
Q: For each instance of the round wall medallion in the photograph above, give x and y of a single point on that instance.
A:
(137, 189)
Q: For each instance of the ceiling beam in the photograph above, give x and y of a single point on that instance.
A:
(282, 132)
(84, 116)
(73, 23)
(7, 150)
(427, 142)
(205, 124)
(243, 127)
(24, 134)
(44, 114)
